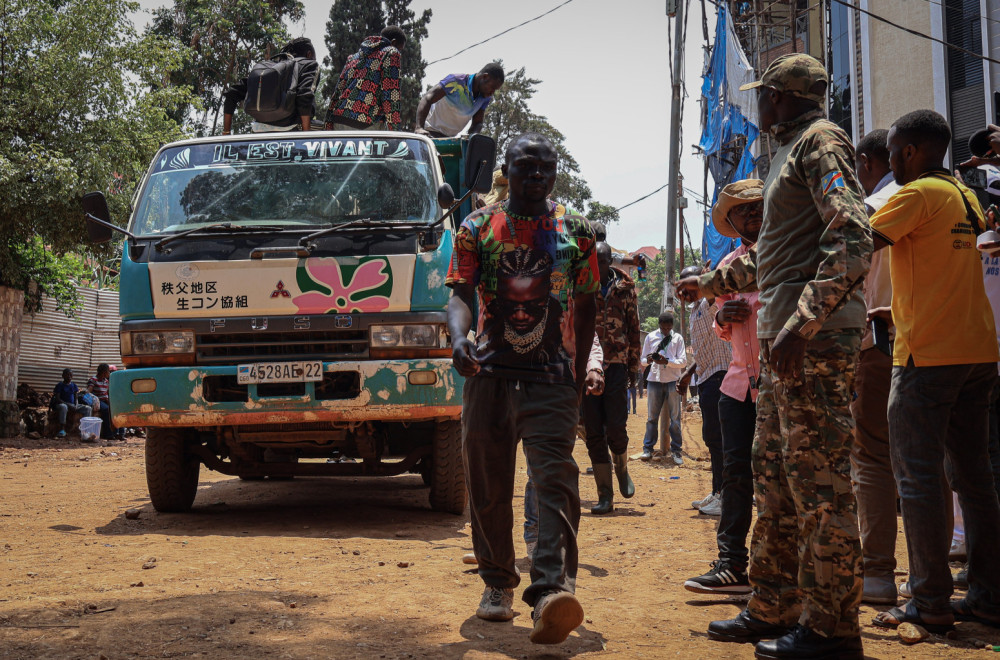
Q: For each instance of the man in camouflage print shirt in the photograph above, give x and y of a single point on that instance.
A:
(605, 415)
(813, 252)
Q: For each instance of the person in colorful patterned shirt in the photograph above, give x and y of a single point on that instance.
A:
(532, 265)
(368, 92)
(605, 415)
(98, 386)
(449, 106)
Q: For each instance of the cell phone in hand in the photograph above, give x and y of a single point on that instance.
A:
(880, 333)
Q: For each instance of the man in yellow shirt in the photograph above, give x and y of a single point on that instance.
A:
(944, 369)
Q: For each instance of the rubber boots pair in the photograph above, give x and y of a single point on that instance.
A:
(625, 485)
(605, 491)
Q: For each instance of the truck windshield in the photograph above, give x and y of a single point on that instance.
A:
(301, 182)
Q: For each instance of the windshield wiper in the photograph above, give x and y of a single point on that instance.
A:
(219, 227)
(366, 222)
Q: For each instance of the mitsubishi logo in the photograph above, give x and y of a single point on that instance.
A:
(279, 291)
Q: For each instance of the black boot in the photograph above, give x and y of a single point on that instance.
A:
(803, 643)
(605, 491)
(744, 628)
(625, 485)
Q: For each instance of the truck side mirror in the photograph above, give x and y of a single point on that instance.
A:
(446, 196)
(95, 209)
(480, 159)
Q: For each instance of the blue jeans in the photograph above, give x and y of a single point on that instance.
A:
(934, 413)
(664, 404)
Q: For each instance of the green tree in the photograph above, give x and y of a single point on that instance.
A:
(650, 291)
(83, 106)
(510, 115)
(223, 40)
(351, 21)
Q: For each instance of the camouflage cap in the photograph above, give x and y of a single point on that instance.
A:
(793, 74)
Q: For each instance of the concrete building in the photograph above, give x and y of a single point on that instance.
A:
(879, 71)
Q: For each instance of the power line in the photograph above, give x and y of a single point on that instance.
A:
(959, 9)
(500, 34)
(646, 196)
(916, 33)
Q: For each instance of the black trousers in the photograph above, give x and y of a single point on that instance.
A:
(711, 428)
(605, 416)
(496, 413)
(739, 420)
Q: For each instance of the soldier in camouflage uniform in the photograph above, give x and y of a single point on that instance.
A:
(809, 262)
(605, 415)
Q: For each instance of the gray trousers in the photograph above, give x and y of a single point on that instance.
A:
(496, 412)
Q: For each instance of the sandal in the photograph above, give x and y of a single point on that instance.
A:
(895, 616)
(963, 612)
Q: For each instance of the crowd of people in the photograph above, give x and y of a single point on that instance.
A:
(830, 380)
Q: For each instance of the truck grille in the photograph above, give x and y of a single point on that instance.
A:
(236, 348)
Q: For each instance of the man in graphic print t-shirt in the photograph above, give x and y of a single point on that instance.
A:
(532, 265)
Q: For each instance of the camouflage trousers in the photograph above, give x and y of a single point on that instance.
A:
(805, 554)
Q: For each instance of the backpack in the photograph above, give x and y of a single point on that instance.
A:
(271, 89)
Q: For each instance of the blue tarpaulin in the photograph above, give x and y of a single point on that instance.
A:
(728, 115)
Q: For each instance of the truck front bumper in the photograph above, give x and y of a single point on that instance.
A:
(385, 391)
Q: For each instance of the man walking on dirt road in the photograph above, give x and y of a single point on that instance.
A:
(533, 267)
(811, 257)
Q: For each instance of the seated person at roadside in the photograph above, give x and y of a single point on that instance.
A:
(65, 397)
(98, 386)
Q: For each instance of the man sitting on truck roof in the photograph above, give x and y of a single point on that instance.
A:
(368, 93)
(305, 91)
(449, 106)
(525, 373)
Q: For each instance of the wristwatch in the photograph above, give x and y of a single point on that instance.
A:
(597, 369)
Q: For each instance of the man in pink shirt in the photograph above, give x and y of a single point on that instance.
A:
(737, 214)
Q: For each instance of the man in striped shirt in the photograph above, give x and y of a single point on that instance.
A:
(711, 359)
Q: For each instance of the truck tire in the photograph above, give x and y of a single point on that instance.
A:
(171, 472)
(447, 470)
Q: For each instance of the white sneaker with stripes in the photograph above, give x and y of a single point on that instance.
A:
(722, 579)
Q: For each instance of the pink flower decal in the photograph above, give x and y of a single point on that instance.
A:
(344, 297)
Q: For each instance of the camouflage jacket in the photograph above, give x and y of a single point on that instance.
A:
(618, 321)
(815, 244)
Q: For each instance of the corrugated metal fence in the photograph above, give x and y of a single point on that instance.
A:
(51, 341)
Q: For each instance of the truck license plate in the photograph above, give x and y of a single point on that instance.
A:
(279, 372)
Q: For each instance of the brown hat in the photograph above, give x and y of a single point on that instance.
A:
(793, 74)
(733, 195)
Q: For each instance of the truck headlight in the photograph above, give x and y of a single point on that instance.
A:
(425, 335)
(157, 342)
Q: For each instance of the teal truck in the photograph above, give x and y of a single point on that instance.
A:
(283, 308)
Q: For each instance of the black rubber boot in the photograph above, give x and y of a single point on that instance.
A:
(605, 491)
(625, 485)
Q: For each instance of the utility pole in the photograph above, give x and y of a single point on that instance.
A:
(674, 168)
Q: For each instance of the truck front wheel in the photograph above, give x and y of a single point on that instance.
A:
(447, 471)
(171, 471)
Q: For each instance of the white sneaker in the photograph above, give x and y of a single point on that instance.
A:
(697, 504)
(713, 508)
(497, 604)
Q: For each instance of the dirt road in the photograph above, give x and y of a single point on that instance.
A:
(357, 568)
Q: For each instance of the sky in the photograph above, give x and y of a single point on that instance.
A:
(605, 75)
